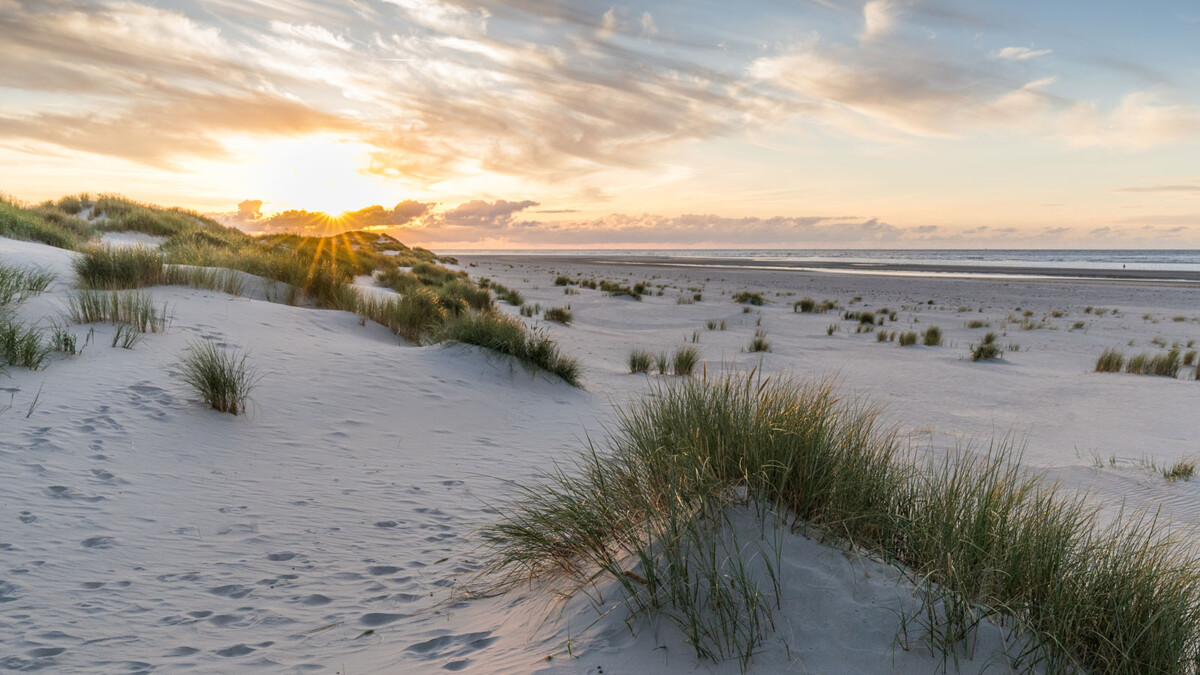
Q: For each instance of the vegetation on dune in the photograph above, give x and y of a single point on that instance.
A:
(45, 224)
(221, 376)
(509, 335)
(986, 349)
(119, 267)
(561, 315)
(133, 308)
(639, 361)
(749, 298)
(1165, 364)
(1110, 361)
(435, 301)
(651, 511)
(17, 284)
(22, 345)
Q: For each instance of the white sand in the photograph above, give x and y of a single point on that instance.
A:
(328, 530)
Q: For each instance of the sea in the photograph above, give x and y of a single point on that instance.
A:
(1157, 263)
(1144, 259)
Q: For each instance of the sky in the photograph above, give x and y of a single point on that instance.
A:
(461, 124)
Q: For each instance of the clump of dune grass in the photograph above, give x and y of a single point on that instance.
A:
(562, 315)
(1165, 364)
(22, 345)
(531, 309)
(932, 337)
(414, 316)
(806, 305)
(832, 328)
(399, 280)
(47, 225)
(1110, 361)
(507, 294)
(616, 290)
(463, 293)
(907, 338)
(986, 348)
(749, 298)
(1184, 469)
(508, 335)
(648, 511)
(119, 267)
(976, 323)
(562, 280)
(220, 375)
(640, 361)
(210, 278)
(759, 343)
(18, 284)
(126, 336)
(684, 361)
(135, 308)
(63, 340)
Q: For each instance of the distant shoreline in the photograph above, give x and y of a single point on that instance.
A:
(1030, 273)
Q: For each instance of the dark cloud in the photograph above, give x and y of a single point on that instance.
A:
(249, 218)
(478, 214)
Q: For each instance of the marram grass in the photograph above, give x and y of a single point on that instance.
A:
(134, 308)
(509, 335)
(645, 509)
(220, 375)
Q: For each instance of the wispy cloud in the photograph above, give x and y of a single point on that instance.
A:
(1181, 188)
(1140, 121)
(1020, 53)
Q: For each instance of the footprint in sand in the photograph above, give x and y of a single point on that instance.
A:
(99, 542)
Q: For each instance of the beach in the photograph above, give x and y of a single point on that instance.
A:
(333, 528)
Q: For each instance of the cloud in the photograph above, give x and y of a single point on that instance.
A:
(249, 210)
(892, 93)
(188, 123)
(1019, 53)
(431, 84)
(1141, 120)
(250, 218)
(479, 214)
(1173, 219)
(1182, 188)
(878, 19)
(492, 223)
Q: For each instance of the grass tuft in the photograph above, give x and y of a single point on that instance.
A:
(508, 335)
(684, 361)
(22, 345)
(119, 267)
(18, 284)
(749, 298)
(1165, 364)
(135, 308)
(986, 349)
(640, 361)
(759, 343)
(1110, 361)
(219, 375)
(562, 315)
(649, 511)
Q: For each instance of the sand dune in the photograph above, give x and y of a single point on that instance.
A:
(332, 528)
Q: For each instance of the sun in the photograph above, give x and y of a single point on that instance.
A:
(316, 173)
